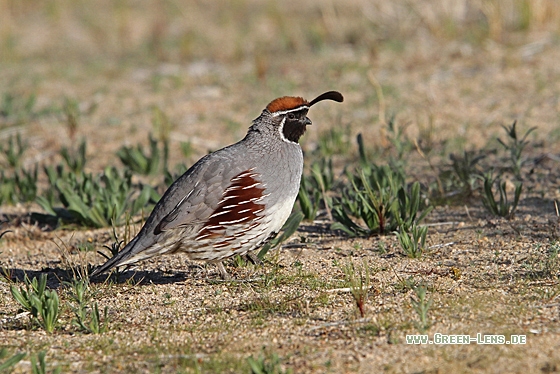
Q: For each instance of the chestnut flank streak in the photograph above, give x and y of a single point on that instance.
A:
(238, 206)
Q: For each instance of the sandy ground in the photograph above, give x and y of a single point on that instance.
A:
(449, 92)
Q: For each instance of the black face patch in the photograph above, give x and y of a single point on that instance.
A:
(295, 125)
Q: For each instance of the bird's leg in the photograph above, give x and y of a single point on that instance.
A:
(254, 258)
(223, 272)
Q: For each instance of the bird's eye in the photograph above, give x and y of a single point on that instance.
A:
(291, 116)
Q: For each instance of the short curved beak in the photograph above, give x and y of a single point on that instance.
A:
(307, 121)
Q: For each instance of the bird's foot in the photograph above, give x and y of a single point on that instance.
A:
(223, 272)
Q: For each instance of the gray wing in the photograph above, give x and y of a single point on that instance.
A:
(200, 195)
(189, 201)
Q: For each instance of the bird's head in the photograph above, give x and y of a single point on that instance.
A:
(288, 115)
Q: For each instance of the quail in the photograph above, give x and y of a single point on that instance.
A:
(233, 200)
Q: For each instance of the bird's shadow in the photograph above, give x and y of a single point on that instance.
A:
(45, 222)
(141, 277)
(58, 277)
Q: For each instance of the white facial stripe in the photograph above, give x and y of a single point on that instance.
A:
(276, 114)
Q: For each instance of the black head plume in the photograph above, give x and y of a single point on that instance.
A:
(330, 95)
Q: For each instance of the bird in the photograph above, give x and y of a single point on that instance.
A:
(231, 201)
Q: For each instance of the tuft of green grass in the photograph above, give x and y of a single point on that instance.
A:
(462, 176)
(95, 200)
(13, 151)
(380, 198)
(314, 188)
(75, 158)
(412, 240)
(358, 279)
(421, 305)
(503, 207)
(371, 198)
(515, 145)
(139, 161)
(86, 312)
(43, 304)
(308, 199)
(19, 187)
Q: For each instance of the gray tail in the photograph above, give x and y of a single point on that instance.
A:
(117, 260)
